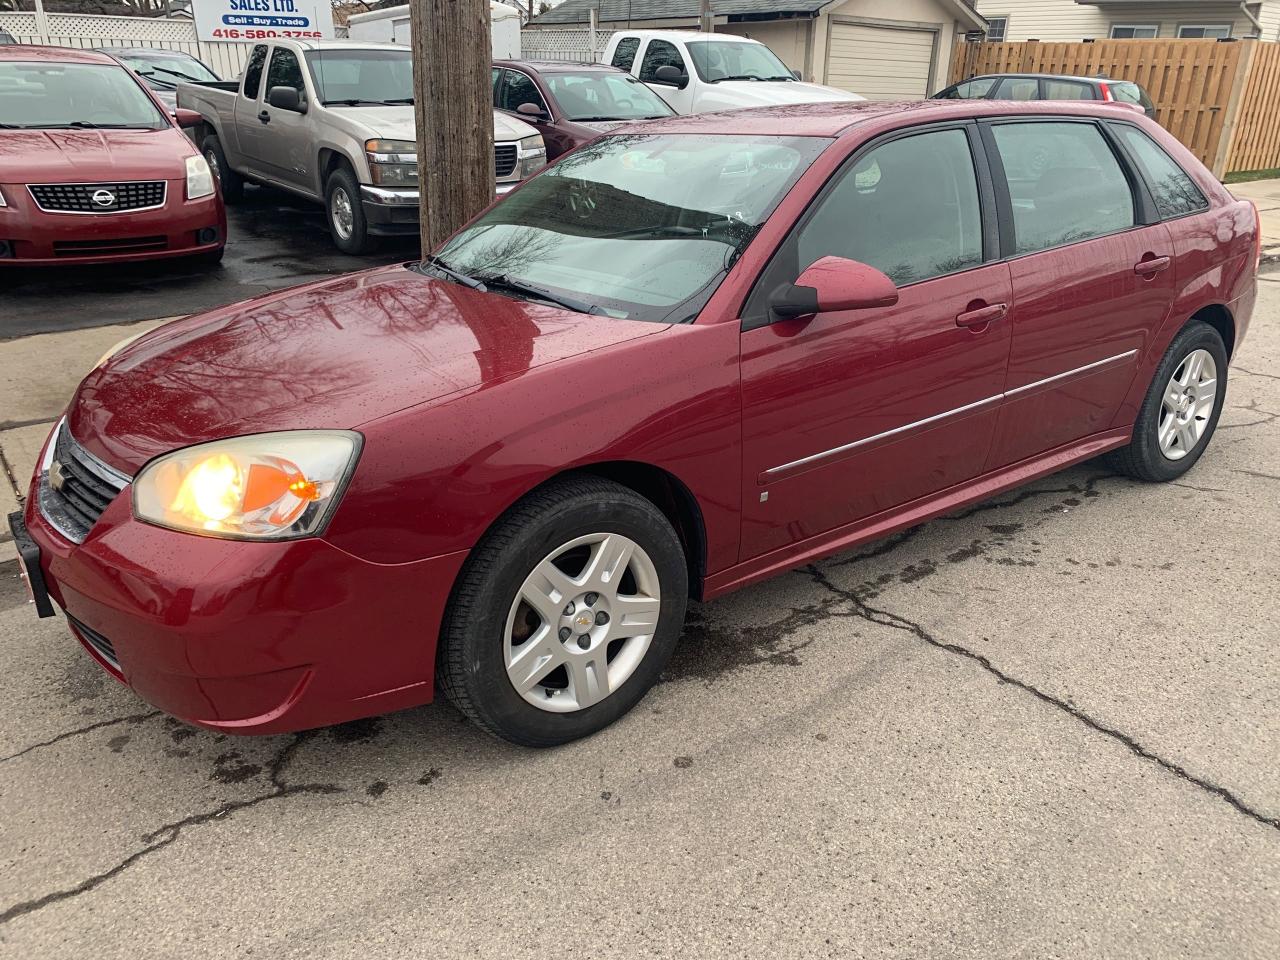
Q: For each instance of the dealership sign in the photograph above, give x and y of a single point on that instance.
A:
(241, 20)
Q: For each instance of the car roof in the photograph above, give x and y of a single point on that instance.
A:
(559, 66)
(833, 119)
(1046, 76)
(686, 36)
(159, 53)
(54, 54)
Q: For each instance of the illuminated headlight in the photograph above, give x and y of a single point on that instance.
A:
(392, 163)
(199, 178)
(269, 486)
(533, 155)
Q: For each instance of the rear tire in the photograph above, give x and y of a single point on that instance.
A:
(603, 638)
(229, 182)
(345, 213)
(1180, 411)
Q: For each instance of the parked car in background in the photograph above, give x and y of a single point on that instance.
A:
(93, 169)
(162, 69)
(572, 103)
(333, 121)
(706, 72)
(773, 335)
(1047, 86)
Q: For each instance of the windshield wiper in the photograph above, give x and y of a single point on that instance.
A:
(398, 101)
(456, 275)
(504, 282)
(778, 79)
(178, 73)
(736, 76)
(367, 103)
(153, 79)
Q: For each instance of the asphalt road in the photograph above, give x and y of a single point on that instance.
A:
(1047, 726)
(275, 241)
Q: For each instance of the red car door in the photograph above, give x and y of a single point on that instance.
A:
(850, 413)
(1091, 284)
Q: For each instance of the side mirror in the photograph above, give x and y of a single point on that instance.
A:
(796, 74)
(529, 110)
(831, 284)
(672, 76)
(285, 98)
(187, 118)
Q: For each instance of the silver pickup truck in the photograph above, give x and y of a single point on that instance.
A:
(333, 121)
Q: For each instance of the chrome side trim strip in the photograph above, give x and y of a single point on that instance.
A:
(880, 436)
(1070, 373)
(844, 448)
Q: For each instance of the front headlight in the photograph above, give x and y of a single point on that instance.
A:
(533, 155)
(392, 163)
(199, 178)
(269, 486)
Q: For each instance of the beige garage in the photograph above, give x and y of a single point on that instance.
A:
(882, 61)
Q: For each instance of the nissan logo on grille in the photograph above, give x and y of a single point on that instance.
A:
(104, 198)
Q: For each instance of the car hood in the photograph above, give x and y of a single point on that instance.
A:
(335, 354)
(60, 156)
(396, 123)
(756, 93)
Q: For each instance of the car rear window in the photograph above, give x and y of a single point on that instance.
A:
(1173, 190)
(1127, 92)
(1067, 90)
(1065, 183)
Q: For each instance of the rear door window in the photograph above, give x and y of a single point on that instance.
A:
(1018, 88)
(971, 89)
(1173, 190)
(1064, 181)
(1066, 90)
(660, 53)
(624, 54)
(253, 71)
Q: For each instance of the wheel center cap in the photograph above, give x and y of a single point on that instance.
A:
(584, 620)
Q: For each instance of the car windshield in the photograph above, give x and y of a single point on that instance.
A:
(604, 96)
(642, 226)
(44, 95)
(167, 72)
(362, 77)
(717, 60)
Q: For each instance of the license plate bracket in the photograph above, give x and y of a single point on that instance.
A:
(29, 566)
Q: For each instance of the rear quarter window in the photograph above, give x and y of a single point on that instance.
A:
(624, 54)
(1172, 188)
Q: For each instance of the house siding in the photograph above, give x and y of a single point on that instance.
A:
(1066, 20)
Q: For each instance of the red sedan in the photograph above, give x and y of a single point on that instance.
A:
(679, 361)
(93, 169)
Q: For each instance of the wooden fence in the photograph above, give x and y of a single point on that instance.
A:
(1222, 100)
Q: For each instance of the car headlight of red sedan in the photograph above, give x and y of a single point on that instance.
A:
(199, 178)
(268, 486)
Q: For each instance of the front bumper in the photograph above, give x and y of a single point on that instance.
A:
(246, 637)
(30, 236)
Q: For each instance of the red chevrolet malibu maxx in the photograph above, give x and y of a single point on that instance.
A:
(685, 358)
(93, 169)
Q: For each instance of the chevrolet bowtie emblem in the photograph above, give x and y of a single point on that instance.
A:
(56, 477)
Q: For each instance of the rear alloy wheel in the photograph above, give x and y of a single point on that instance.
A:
(1181, 408)
(565, 613)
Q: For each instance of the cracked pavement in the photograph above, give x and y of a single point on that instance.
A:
(1046, 726)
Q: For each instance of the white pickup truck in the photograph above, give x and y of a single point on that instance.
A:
(332, 121)
(704, 72)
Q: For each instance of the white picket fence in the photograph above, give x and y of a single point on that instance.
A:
(568, 43)
(75, 30)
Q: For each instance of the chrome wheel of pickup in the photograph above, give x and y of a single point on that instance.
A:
(581, 622)
(340, 210)
(1187, 404)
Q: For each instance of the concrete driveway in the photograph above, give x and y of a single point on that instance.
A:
(1048, 726)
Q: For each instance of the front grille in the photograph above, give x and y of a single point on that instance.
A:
(76, 487)
(95, 248)
(98, 197)
(504, 158)
(96, 642)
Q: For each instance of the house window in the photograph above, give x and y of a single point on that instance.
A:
(1134, 31)
(997, 28)
(1200, 31)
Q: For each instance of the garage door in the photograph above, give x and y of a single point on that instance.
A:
(880, 63)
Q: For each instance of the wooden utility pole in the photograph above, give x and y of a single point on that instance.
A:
(452, 53)
(707, 24)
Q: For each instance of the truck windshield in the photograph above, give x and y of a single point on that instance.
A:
(717, 60)
(605, 96)
(637, 226)
(362, 77)
(51, 96)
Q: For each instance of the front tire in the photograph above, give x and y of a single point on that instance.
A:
(229, 182)
(1180, 411)
(565, 613)
(347, 223)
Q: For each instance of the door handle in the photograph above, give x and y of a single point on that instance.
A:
(1151, 266)
(264, 117)
(981, 316)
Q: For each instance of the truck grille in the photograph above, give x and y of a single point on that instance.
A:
(504, 158)
(76, 488)
(98, 197)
